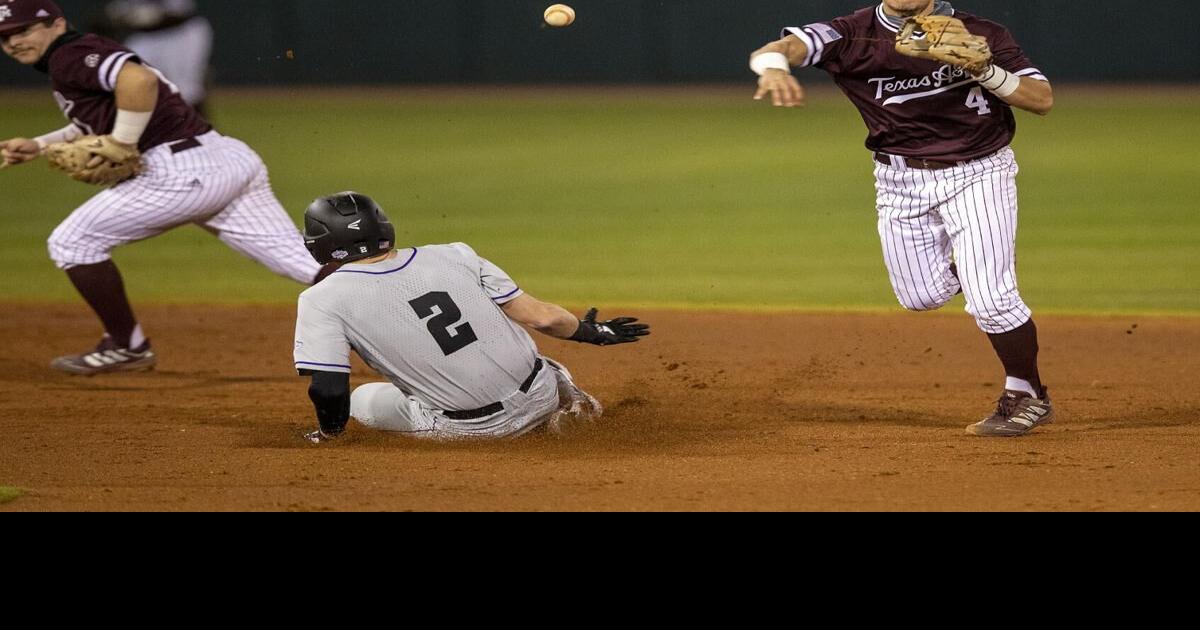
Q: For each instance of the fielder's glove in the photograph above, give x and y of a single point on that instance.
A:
(611, 332)
(946, 40)
(96, 160)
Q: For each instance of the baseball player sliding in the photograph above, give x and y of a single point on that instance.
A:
(936, 88)
(442, 325)
(164, 166)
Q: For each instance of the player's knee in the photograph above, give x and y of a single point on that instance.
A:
(365, 402)
(923, 295)
(923, 303)
(360, 404)
(69, 252)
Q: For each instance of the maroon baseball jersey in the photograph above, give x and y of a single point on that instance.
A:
(84, 70)
(916, 107)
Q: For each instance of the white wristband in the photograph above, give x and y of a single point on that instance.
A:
(770, 61)
(999, 81)
(130, 126)
(66, 134)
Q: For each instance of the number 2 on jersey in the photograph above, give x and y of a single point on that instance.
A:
(977, 101)
(448, 314)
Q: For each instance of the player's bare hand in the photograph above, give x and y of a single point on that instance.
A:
(319, 437)
(19, 150)
(784, 89)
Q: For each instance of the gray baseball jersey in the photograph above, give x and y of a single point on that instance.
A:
(428, 319)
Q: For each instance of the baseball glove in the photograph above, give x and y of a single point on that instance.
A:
(97, 160)
(946, 40)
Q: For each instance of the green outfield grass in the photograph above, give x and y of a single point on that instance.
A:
(686, 197)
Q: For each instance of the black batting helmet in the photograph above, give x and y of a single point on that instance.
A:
(347, 227)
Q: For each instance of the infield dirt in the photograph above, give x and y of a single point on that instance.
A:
(717, 411)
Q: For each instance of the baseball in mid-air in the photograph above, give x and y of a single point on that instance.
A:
(560, 15)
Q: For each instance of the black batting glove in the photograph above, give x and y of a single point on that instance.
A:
(609, 333)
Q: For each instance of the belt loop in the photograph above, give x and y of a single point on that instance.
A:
(898, 162)
(186, 144)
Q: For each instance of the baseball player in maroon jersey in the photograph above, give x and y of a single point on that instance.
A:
(939, 135)
(191, 175)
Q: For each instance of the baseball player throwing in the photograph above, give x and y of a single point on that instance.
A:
(441, 324)
(167, 167)
(936, 88)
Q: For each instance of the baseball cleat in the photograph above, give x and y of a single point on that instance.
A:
(1017, 414)
(107, 358)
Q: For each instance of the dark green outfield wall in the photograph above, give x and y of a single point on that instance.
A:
(448, 41)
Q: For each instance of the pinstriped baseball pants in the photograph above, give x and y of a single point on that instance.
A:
(221, 185)
(965, 215)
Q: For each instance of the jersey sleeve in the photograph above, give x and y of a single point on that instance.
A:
(91, 64)
(498, 285)
(321, 343)
(826, 42)
(1008, 55)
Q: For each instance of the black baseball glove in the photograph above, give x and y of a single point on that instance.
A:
(611, 332)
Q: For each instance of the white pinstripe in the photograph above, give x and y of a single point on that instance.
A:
(965, 215)
(222, 186)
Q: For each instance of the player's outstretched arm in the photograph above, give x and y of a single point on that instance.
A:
(18, 151)
(21, 150)
(773, 63)
(556, 321)
(544, 317)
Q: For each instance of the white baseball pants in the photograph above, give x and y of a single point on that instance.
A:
(929, 219)
(384, 407)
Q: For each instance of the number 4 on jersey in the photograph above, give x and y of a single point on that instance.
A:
(977, 101)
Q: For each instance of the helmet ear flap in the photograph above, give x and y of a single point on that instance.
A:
(318, 239)
(387, 233)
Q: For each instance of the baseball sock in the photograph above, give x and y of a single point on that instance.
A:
(104, 290)
(1018, 351)
(137, 338)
